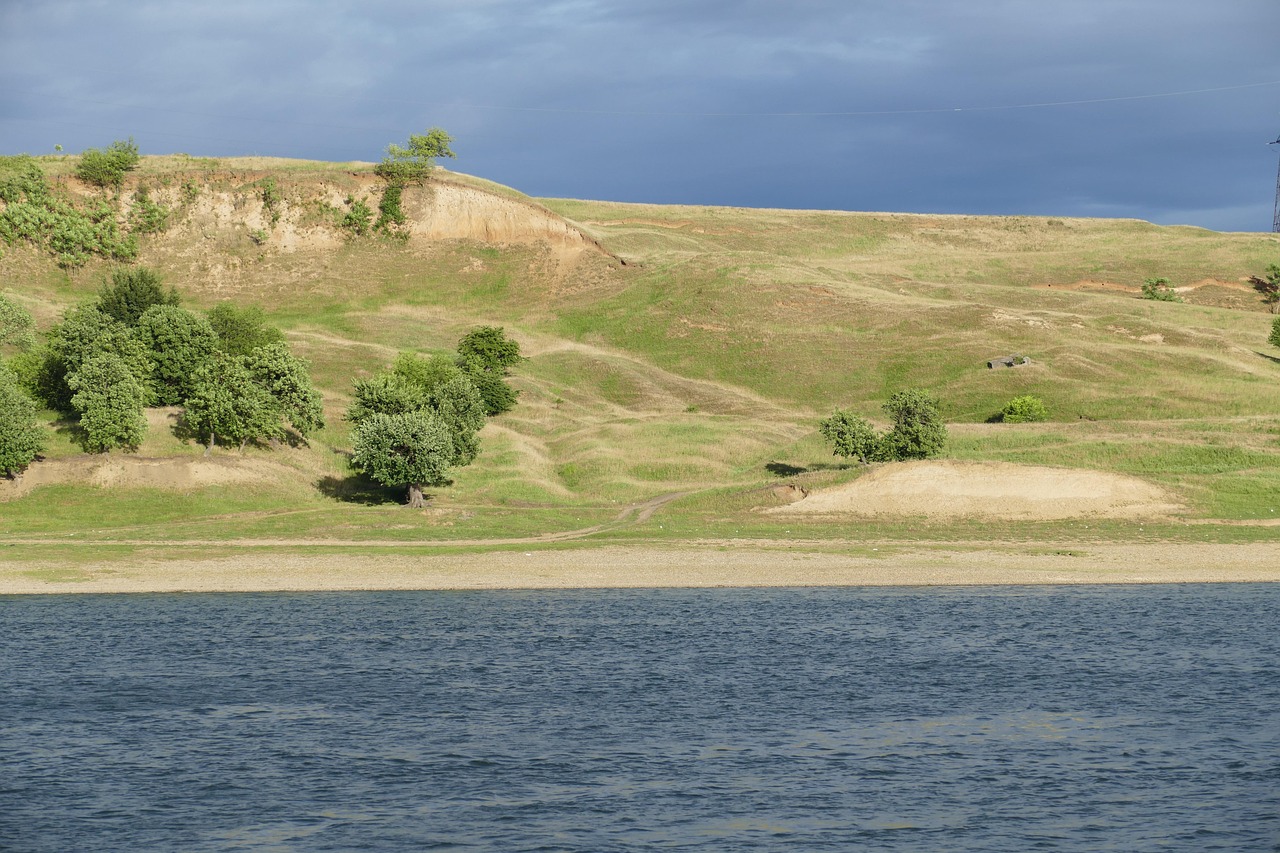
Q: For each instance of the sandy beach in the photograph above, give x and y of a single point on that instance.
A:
(726, 564)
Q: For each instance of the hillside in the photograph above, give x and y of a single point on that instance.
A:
(682, 351)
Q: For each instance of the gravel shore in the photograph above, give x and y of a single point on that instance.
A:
(728, 564)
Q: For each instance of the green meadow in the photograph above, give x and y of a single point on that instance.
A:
(683, 356)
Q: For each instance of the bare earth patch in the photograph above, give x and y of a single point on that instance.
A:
(988, 490)
(173, 474)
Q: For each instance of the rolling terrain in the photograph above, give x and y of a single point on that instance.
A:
(679, 359)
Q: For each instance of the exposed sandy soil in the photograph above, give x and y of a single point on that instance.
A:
(988, 490)
(725, 564)
(182, 473)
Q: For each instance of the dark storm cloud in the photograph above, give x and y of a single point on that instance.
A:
(694, 102)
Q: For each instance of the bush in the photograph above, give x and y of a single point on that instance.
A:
(33, 213)
(1274, 340)
(358, 219)
(850, 436)
(1022, 410)
(106, 168)
(412, 164)
(1159, 290)
(147, 216)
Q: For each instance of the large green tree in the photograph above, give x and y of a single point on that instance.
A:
(384, 394)
(225, 403)
(21, 436)
(110, 400)
(242, 329)
(83, 333)
(458, 404)
(918, 431)
(16, 325)
(178, 342)
(286, 378)
(131, 291)
(485, 354)
(413, 450)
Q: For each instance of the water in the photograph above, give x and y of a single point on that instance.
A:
(1107, 718)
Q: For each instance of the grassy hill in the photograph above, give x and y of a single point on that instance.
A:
(677, 349)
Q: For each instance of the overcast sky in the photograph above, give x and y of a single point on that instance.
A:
(1157, 109)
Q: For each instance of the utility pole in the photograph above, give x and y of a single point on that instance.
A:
(1275, 214)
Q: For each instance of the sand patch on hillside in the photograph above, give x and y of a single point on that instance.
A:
(988, 490)
(182, 474)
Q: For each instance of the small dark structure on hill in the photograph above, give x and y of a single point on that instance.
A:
(1008, 361)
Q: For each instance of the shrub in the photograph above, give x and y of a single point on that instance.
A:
(850, 436)
(33, 213)
(106, 167)
(1274, 340)
(1025, 409)
(271, 199)
(1159, 290)
(358, 219)
(390, 214)
(147, 216)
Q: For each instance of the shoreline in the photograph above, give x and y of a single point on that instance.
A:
(774, 564)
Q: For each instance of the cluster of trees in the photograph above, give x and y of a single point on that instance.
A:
(917, 430)
(419, 419)
(135, 346)
(21, 435)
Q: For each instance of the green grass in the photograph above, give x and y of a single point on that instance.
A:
(704, 363)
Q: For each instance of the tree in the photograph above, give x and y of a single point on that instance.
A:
(242, 330)
(110, 399)
(285, 377)
(84, 332)
(1024, 409)
(1269, 287)
(178, 342)
(425, 374)
(16, 325)
(21, 436)
(412, 163)
(384, 394)
(1274, 339)
(412, 450)
(488, 348)
(485, 354)
(106, 168)
(459, 405)
(225, 402)
(851, 436)
(918, 431)
(131, 292)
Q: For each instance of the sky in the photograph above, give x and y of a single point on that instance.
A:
(1155, 109)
